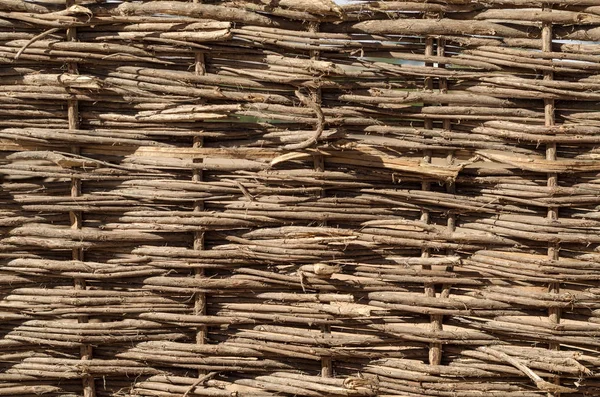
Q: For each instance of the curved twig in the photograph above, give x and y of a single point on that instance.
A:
(34, 39)
(312, 103)
(199, 382)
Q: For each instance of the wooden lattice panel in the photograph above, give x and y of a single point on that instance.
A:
(299, 198)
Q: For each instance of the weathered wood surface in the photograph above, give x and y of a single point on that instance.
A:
(233, 198)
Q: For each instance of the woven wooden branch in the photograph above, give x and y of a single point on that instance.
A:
(299, 198)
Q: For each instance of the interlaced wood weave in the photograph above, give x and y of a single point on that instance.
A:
(261, 198)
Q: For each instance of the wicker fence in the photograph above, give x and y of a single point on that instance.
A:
(300, 198)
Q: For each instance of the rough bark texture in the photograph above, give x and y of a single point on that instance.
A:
(300, 198)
